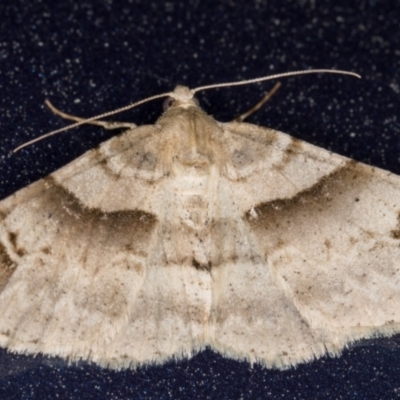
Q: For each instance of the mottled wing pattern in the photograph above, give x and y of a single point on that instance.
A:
(76, 276)
(191, 233)
(328, 270)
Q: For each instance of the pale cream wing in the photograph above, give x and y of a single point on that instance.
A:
(265, 164)
(122, 173)
(81, 275)
(328, 265)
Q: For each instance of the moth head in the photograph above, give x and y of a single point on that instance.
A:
(182, 96)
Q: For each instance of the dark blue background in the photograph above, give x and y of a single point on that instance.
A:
(92, 56)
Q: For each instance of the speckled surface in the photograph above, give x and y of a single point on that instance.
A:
(90, 57)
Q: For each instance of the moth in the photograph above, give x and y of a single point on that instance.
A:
(192, 233)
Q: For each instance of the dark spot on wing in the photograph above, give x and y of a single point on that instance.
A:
(293, 148)
(199, 266)
(46, 250)
(396, 232)
(7, 266)
(12, 236)
(147, 161)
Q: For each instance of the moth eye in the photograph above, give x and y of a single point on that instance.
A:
(168, 103)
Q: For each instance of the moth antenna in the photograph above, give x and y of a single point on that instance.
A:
(218, 85)
(107, 114)
(242, 117)
(278, 76)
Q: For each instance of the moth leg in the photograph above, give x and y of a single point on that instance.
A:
(104, 124)
(256, 107)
